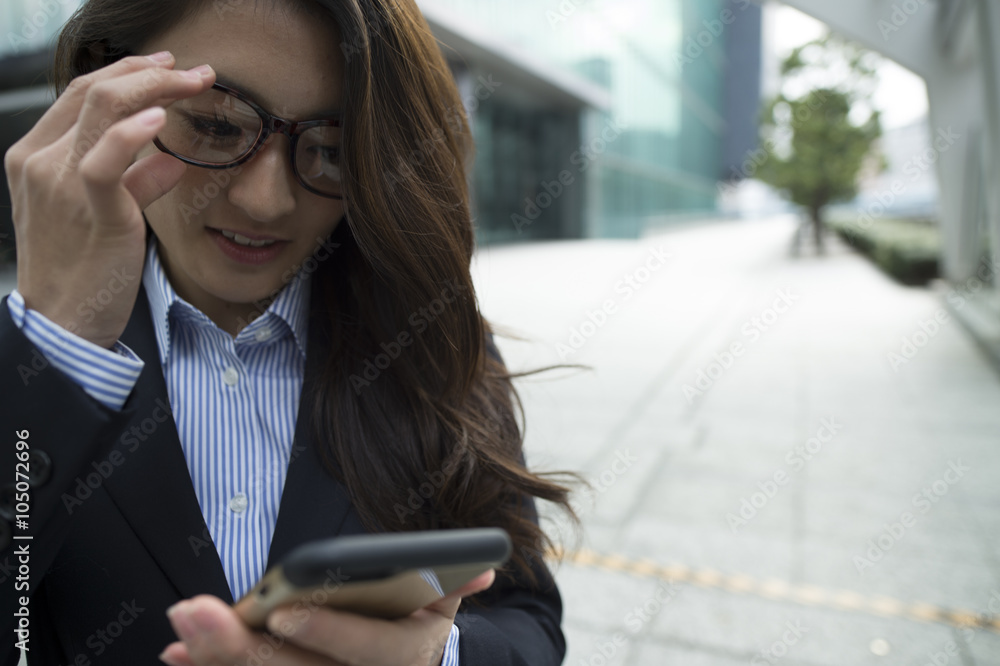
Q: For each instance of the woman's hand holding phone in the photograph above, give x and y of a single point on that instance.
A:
(213, 634)
(78, 198)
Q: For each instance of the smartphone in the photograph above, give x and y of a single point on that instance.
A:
(379, 575)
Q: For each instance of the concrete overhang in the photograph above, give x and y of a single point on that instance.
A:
(550, 85)
(908, 33)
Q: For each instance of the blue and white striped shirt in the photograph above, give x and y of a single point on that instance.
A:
(234, 400)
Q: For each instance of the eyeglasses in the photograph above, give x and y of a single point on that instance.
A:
(221, 128)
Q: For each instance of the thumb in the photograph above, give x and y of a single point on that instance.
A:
(151, 177)
(449, 604)
(481, 582)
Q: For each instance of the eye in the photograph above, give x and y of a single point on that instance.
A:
(319, 154)
(329, 154)
(217, 128)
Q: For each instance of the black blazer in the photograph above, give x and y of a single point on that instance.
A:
(103, 574)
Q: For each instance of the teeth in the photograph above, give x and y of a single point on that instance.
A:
(243, 240)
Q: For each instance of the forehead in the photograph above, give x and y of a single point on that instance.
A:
(288, 61)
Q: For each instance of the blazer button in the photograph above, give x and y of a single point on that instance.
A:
(40, 468)
(5, 535)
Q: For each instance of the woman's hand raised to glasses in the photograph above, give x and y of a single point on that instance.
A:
(78, 198)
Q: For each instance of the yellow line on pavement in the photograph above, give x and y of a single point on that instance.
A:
(779, 590)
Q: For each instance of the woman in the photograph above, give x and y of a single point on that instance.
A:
(254, 344)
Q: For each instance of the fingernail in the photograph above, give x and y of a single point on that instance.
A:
(198, 73)
(162, 56)
(276, 619)
(151, 116)
(180, 617)
(168, 660)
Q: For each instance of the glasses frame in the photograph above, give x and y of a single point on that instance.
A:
(270, 124)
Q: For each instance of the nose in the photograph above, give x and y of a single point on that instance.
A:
(265, 188)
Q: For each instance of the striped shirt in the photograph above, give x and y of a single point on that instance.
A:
(235, 401)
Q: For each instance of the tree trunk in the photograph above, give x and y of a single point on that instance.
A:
(816, 214)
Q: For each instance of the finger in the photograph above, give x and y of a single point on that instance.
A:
(448, 605)
(212, 633)
(151, 177)
(481, 582)
(176, 654)
(353, 638)
(104, 165)
(65, 110)
(110, 100)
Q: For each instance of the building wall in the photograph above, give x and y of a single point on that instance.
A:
(909, 174)
(31, 25)
(516, 188)
(743, 86)
(672, 129)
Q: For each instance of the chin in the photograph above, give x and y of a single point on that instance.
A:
(236, 290)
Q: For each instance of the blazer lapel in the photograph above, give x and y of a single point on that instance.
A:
(314, 505)
(156, 495)
(154, 492)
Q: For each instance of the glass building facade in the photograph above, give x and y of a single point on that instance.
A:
(672, 70)
(32, 25)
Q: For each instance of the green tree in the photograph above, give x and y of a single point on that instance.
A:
(821, 127)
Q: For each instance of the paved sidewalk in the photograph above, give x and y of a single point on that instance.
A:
(820, 491)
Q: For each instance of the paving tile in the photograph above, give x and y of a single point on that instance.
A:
(826, 357)
(755, 627)
(707, 547)
(650, 653)
(984, 646)
(603, 600)
(586, 647)
(899, 575)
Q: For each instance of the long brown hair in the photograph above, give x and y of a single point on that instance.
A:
(423, 434)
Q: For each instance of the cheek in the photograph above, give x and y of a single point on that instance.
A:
(325, 216)
(313, 237)
(184, 209)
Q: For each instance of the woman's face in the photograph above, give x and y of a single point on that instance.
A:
(290, 65)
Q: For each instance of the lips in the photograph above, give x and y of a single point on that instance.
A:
(246, 254)
(247, 234)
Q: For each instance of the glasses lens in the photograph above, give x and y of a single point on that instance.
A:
(317, 159)
(213, 127)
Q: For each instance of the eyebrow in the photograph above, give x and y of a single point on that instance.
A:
(249, 91)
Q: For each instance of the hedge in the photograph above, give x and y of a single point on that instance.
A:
(908, 250)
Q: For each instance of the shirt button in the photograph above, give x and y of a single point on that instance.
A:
(263, 334)
(231, 376)
(238, 503)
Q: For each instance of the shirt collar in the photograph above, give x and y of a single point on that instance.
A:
(288, 312)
